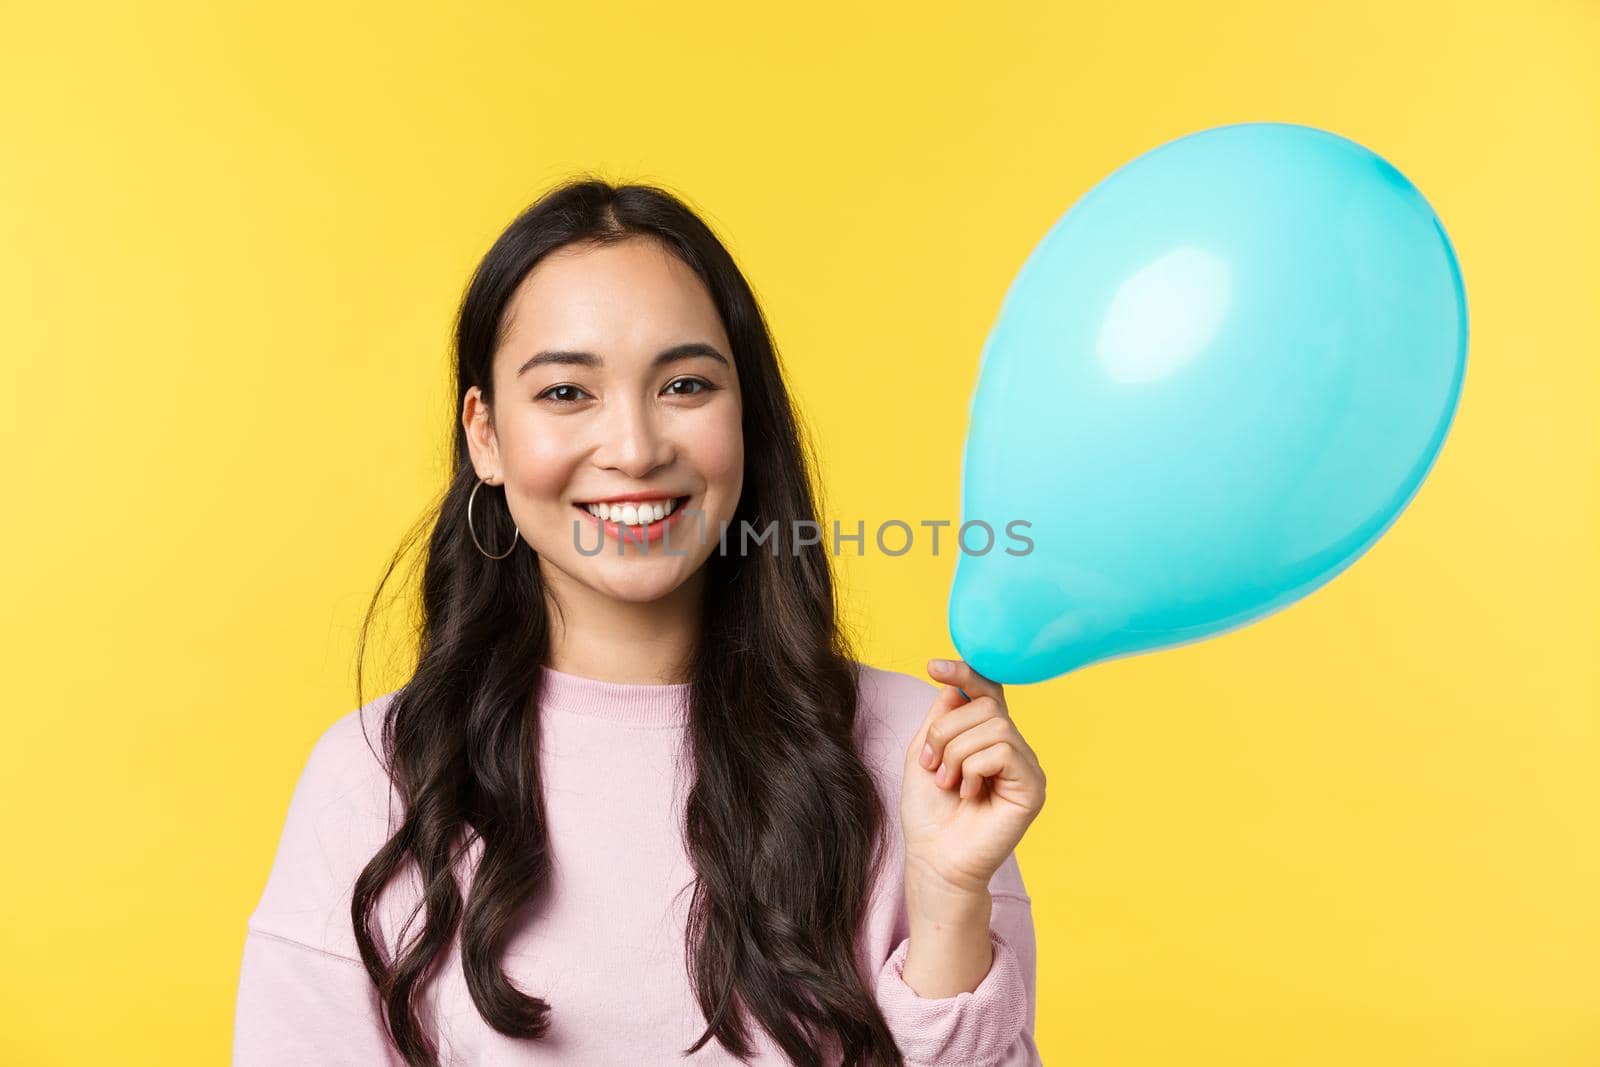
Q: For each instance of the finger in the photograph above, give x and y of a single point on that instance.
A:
(946, 699)
(966, 743)
(999, 760)
(959, 673)
(954, 722)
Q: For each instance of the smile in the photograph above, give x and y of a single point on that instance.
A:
(641, 513)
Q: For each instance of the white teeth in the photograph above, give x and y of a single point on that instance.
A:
(634, 514)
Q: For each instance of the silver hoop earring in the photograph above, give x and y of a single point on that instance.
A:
(515, 532)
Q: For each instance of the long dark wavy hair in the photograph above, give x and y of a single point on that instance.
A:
(783, 823)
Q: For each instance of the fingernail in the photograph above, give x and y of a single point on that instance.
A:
(927, 756)
(940, 665)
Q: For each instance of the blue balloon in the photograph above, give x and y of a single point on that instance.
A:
(1215, 382)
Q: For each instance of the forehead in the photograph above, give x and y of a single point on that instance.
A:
(623, 301)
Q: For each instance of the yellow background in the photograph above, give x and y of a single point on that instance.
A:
(1362, 831)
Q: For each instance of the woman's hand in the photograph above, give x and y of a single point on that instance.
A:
(972, 785)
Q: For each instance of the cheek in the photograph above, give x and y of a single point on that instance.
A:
(719, 456)
(539, 464)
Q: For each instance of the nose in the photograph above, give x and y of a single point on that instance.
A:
(632, 440)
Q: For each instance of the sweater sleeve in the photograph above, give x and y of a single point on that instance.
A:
(298, 1004)
(990, 1026)
(304, 996)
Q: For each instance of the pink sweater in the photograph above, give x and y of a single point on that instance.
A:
(607, 951)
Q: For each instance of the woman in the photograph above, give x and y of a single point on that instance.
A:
(637, 799)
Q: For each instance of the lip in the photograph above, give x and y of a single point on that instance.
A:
(633, 498)
(648, 534)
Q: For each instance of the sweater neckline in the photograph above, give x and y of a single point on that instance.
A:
(629, 703)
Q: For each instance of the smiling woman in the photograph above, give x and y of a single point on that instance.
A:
(601, 412)
(639, 803)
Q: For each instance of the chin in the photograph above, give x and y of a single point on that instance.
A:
(639, 587)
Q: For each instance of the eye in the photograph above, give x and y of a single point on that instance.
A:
(705, 386)
(557, 388)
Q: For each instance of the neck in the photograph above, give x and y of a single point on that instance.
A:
(594, 635)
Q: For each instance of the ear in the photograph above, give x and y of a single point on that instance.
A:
(481, 440)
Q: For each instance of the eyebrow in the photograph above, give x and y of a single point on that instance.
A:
(689, 350)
